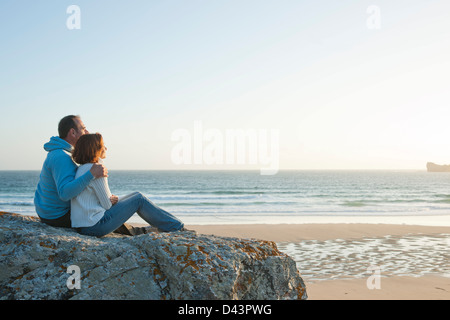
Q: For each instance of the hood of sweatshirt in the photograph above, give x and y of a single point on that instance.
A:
(56, 143)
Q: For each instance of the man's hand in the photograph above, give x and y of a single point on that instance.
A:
(114, 199)
(99, 170)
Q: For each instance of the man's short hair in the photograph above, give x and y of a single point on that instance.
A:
(65, 124)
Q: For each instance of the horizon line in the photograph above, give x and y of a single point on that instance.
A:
(258, 169)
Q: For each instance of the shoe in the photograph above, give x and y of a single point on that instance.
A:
(129, 230)
(125, 229)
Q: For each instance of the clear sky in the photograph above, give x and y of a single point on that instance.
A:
(341, 93)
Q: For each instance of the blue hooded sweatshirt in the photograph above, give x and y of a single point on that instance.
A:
(57, 184)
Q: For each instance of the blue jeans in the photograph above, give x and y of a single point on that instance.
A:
(119, 213)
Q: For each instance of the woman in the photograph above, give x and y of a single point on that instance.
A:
(96, 212)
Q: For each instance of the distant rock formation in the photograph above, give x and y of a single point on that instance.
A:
(41, 262)
(432, 167)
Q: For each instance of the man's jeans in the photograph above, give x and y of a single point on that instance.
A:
(119, 213)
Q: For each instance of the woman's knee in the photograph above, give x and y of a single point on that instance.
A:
(133, 195)
(140, 195)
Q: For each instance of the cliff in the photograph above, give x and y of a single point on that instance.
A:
(432, 167)
(41, 262)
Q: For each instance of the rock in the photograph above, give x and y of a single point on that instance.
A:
(432, 167)
(37, 262)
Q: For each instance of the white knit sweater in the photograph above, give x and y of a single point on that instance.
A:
(90, 205)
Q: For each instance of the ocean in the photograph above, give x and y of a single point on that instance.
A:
(230, 197)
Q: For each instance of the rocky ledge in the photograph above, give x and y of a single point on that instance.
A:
(41, 262)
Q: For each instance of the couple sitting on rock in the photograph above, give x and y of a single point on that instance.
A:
(73, 189)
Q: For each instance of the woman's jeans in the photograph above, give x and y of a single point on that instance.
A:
(119, 213)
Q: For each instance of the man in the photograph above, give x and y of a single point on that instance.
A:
(57, 183)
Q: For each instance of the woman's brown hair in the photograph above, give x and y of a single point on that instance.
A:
(88, 148)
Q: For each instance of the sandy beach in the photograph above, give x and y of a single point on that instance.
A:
(413, 261)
